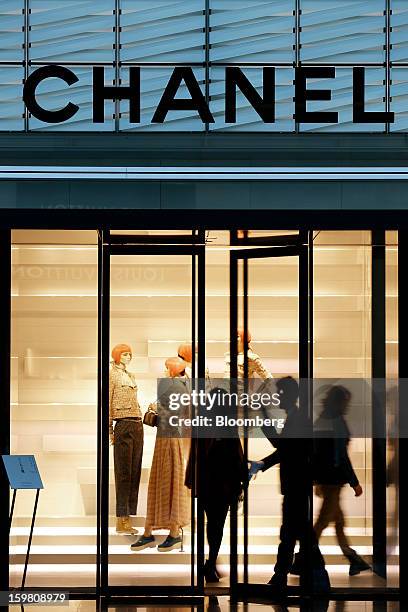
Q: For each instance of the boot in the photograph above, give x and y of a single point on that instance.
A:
(357, 563)
(210, 573)
(321, 581)
(123, 525)
(279, 585)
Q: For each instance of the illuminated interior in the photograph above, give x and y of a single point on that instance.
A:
(54, 388)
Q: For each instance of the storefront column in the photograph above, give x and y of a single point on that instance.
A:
(5, 336)
(378, 373)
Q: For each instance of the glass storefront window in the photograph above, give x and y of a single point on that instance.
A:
(53, 409)
(342, 351)
(152, 310)
(392, 457)
(150, 314)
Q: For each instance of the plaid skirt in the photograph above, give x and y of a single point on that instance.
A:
(168, 499)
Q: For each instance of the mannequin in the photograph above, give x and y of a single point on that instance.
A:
(126, 438)
(255, 365)
(185, 352)
(168, 504)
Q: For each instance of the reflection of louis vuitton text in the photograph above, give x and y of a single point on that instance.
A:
(89, 273)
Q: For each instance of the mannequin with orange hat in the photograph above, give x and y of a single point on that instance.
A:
(168, 504)
(255, 365)
(185, 352)
(127, 437)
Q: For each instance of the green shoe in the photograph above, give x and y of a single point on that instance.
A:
(143, 542)
(170, 543)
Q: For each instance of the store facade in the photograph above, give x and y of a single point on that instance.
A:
(177, 222)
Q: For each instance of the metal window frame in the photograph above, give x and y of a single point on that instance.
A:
(324, 219)
(300, 246)
(108, 248)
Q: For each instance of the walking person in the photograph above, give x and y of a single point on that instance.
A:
(222, 475)
(333, 470)
(292, 455)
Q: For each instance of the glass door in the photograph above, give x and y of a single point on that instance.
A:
(152, 328)
(319, 308)
(270, 335)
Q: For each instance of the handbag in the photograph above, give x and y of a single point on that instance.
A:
(150, 418)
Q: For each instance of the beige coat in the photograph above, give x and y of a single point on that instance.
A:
(122, 395)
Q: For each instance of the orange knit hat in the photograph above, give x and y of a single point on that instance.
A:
(175, 366)
(185, 352)
(118, 350)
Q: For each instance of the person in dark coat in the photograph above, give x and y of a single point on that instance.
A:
(333, 470)
(293, 454)
(221, 477)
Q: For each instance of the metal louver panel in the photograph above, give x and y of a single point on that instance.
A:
(11, 31)
(342, 101)
(399, 31)
(11, 103)
(54, 94)
(72, 31)
(348, 31)
(399, 99)
(162, 31)
(247, 118)
(252, 31)
(152, 84)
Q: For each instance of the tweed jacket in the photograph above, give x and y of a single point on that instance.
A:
(255, 365)
(122, 398)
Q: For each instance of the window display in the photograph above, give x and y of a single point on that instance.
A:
(153, 329)
(126, 438)
(168, 504)
(157, 318)
(255, 365)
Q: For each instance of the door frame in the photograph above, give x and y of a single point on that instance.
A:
(292, 245)
(301, 245)
(116, 245)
